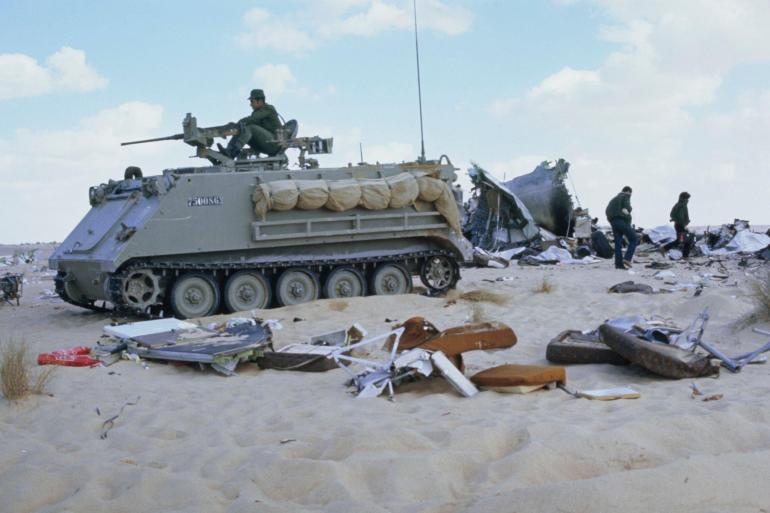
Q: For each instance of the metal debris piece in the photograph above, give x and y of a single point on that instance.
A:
(378, 376)
(629, 286)
(110, 423)
(690, 337)
(497, 218)
(453, 375)
(662, 359)
(222, 350)
(545, 195)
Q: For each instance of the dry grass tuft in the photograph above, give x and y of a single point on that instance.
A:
(338, 305)
(477, 314)
(545, 287)
(17, 375)
(484, 296)
(761, 294)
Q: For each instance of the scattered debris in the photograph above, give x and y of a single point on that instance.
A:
(424, 350)
(73, 357)
(629, 286)
(662, 359)
(603, 394)
(454, 341)
(573, 346)
(134, 329)
(108, 424)
(311, 356)
(519, 379)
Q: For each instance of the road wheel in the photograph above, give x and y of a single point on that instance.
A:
(439, 273)
(194, 295)
(344, 282)
(389, 279)
(247, 290)
(141, 289)
(296, 286)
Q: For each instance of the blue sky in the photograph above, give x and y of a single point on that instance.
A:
(662, 96)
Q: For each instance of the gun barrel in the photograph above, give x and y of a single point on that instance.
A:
(168, 138)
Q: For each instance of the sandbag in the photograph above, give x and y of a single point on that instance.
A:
(447, 207)
(313, 194)
(403, 190)
(375, 194)
(430, 188)
(343, 195)
(283, 194)
(262, 203)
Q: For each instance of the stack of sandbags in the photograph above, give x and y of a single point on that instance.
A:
(343, 195)
(313, 194)
(375, 193)
(396, 191)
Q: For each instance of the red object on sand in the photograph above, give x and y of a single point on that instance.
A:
(73, 357)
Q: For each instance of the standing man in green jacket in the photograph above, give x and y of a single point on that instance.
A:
(258, 129)
(618, 213)
(681, 218)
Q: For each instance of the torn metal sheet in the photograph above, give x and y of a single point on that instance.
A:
(545, 195)
(379, 375)
(134, 329)
(222, 350)
(453, 375)
(311, 356)
(497, 219)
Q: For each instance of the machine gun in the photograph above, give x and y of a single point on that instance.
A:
(286, 137)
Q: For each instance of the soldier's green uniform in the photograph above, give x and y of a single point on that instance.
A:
(257, 129)
(618, 213)
(680, 215)
(617, 205)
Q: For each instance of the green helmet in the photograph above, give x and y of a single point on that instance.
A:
(257, 94)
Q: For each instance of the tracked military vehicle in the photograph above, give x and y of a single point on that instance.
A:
(249, 232)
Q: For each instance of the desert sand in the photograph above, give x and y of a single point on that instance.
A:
(264, 440)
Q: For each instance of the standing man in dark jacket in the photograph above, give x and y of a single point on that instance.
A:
(681, 218)
(258, 129)
(619, 215)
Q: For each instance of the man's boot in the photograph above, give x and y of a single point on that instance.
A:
(233, 148)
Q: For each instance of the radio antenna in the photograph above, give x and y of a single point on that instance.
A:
(419, 88)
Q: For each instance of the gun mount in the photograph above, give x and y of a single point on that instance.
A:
(286, 137)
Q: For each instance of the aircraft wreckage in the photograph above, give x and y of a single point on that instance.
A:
(523, 211)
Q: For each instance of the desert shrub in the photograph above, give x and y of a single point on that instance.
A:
(477, 314)
(18, 376)
(484, 296)
(545, 287)
(761, 294)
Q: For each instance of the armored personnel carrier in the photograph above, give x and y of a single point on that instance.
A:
(249, 232)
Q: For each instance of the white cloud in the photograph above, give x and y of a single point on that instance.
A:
(263, 32)
(273, 78)
(47, 173)
(301, 30)
(64, 71)
(566, 82)
(653, 114)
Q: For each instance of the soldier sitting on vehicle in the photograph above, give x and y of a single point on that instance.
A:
(258, 130)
